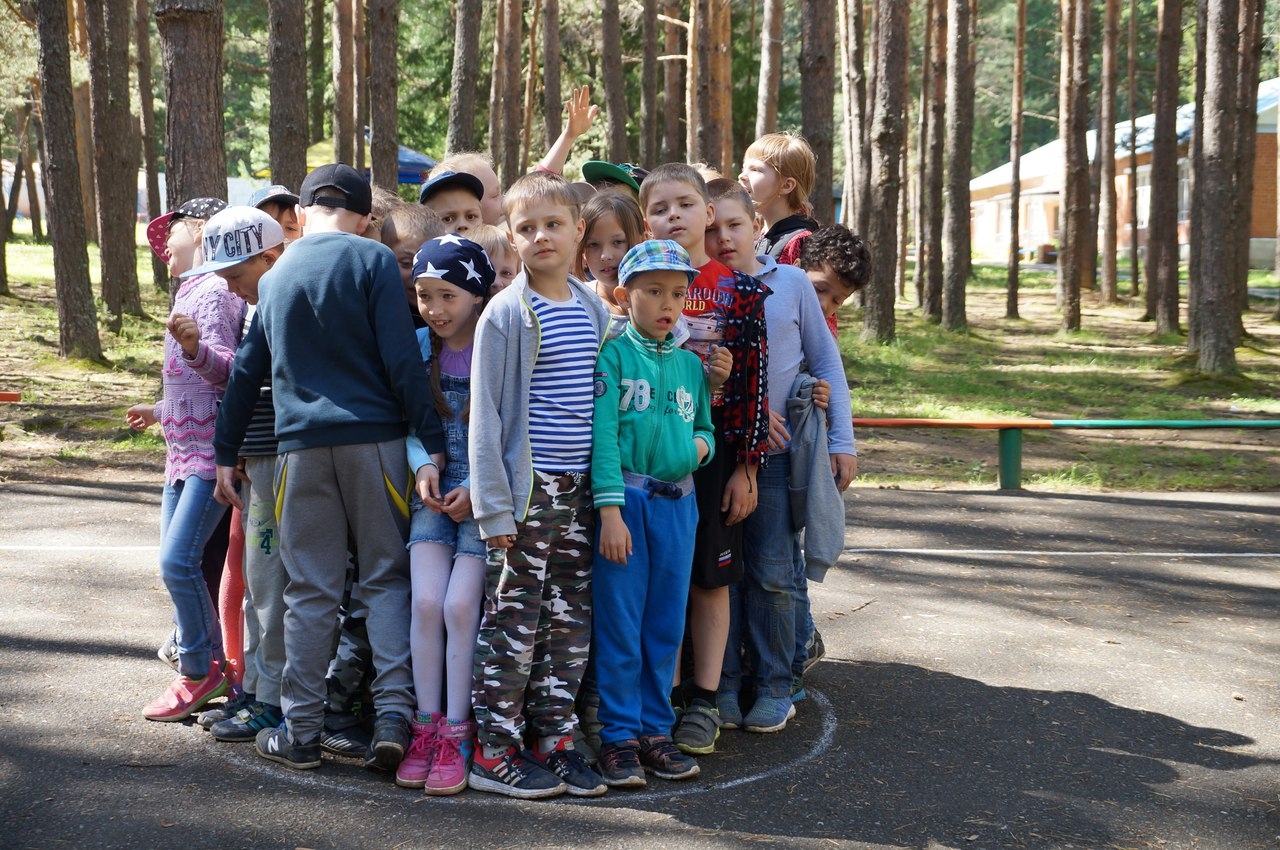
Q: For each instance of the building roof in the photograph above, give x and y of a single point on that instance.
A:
(1046, 161)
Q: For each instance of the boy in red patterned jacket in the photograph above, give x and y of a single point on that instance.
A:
(725, 312)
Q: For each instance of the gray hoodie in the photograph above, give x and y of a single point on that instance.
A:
(506, 348)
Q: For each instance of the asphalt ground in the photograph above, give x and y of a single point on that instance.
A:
(1003, 670)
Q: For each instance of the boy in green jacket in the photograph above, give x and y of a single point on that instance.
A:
(651, 429)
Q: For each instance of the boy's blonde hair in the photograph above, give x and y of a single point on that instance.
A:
(493, 240)
(411, 223)
(789, 155)
(722, 188)
(673, 172)
(465, 161)
(540, 188)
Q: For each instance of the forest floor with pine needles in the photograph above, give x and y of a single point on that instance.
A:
(69, 424)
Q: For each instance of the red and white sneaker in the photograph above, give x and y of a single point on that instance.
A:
(185, 696)
(416, 764)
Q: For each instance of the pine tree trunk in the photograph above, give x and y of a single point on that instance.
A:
(552, 102)
(191, 50)
(4, 223)
(649, 83)
(1196, 255)
(465, 77)
(142, 48)
(497, 75)
(530, 86)
(1135, 274)
(934, 167)
(360, 84)
(673, 89)
(959, 156)
(770, 68)
(854, 78)
(115, 155)
(316, 72)
(344, 103)
(700, 101)
(1217, 302)
(1073, 264)
(513, 39)
(722, 88)
(1162, 220)
(286, 50)
(615, 96)
(1015, 158)
(892, 34)
(84, 153)
(35, 142)
(1107, 150)
(77, 318)
(384, 144)
(922, 152)
(817, 81)
(1250, 46)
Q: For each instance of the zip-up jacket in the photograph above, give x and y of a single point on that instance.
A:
(506, 347)
(652, 402)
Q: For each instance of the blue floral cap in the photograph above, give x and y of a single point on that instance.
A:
(655, 255)
(457, 260)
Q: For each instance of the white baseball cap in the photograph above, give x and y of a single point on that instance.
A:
(234, 235)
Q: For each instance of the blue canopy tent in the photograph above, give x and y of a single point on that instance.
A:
(413, 165)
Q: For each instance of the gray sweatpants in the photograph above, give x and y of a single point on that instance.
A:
(264, 581)
(323, 493)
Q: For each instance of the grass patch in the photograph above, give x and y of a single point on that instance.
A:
(1114, 368)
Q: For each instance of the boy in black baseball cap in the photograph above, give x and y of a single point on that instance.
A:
(348, 385)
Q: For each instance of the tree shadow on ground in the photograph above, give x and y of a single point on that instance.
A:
(924, 758)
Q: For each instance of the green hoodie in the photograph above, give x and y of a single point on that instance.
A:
(652, 402)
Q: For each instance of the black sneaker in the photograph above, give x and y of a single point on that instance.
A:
(274, 745)
(659, 756)
(620, 765)
(698, 729)
(515, 775)
(815, 649)
(247, 723)
(391, 737)
(571, 767)
(343, 735)
(228, 709)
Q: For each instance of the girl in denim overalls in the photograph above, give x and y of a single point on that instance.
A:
(452, 276)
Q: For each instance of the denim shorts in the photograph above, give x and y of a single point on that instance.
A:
(427, 526)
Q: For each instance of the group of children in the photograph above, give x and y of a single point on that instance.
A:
(579, 495)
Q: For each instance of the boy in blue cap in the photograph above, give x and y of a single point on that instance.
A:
(651, 430)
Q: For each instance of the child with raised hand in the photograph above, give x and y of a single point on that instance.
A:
(452, 276)
(532, 388)
(778, 173)
(652, 429)
(770, 607)
(612, 224)
(204, 330)
(502, 254)
(725, 312)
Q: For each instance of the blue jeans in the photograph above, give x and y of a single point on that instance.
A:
(188, 516)
(763, 605)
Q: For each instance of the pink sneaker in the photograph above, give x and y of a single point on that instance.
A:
(416, 764)
(453, 758)
(185, 696)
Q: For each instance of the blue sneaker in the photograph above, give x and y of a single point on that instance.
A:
(730, 711)
(797, 689)
(769, 714)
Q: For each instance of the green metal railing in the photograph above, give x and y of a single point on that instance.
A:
(1010, 432)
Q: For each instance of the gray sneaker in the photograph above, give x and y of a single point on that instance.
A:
(698, 729)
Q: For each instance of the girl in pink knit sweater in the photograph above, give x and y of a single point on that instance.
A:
(204, 329)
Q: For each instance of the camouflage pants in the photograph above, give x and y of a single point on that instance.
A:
(536, 630)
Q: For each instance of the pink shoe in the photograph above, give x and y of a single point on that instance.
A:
(185, 696)
(416, 764)
(453, 758)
